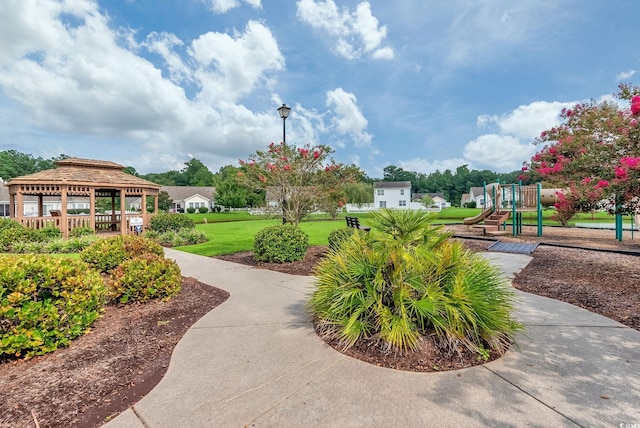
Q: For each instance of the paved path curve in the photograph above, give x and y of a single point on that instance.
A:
(256, 361)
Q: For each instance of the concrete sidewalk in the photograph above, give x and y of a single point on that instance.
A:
(256, 361)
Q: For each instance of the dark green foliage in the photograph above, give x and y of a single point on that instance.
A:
(203, 210)
(145, 277)
(50, 232)
(165, 222)
(336, 237)
(106, 254)
(191, 210)
(280, 244)
(45, 303)
(81, 231)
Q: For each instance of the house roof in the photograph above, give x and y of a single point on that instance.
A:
(96, 173)
(391, 184)
(180, 193)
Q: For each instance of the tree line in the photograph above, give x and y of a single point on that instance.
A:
(231, 192)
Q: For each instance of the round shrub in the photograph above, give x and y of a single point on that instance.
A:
(7, 223)
(145, 277)
(105, 254)
(45, 303)
(191, 210)
(165, 222)
(336, 237)
(280, 244)
(203, 210)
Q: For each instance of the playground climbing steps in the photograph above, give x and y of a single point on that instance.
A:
(494, 224)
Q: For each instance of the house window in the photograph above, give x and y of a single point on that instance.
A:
(4, 210)
(401, 192)
(380, 192)
(402, 203)
(383, 204)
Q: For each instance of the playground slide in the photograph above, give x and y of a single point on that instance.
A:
(480, 217)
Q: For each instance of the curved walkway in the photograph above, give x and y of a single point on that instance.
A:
(256, 361)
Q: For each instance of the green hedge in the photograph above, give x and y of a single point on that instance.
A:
(165, 222)
(106, 254)
(45, 303)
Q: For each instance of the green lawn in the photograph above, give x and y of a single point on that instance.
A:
(232, 237)
(233, 232)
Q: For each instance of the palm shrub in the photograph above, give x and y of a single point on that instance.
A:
(406, 279)
(45, 303)
(336, 237)
(280, 244)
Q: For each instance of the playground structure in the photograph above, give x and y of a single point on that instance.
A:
(510, 201)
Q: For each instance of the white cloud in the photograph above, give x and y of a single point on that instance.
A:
(625, 75)
(498, 152)
(357, 33)
(231, 67)
(86, 81)
(428, 167)
(527, 121)
(348, 119)
(223, 6)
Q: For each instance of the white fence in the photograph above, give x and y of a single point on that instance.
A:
(365, 208)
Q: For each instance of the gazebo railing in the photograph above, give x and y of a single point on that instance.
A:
(103, 222)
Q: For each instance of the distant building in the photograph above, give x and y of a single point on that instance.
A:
(392, 194)
(185, 197)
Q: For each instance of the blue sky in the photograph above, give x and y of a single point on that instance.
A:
(420, 84)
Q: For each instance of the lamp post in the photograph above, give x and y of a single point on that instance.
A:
(283, 111)
(284, 114)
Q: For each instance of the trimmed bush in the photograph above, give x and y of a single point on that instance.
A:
(336, 237)
(106, 254)
(177, 239)
(165, 222)
(7, 223)
(145, 277)
(408, 280)
(203, 210)
(191, 210)
(280, 244)
(45, 303)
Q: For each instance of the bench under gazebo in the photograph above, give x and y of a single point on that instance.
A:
(88, 179)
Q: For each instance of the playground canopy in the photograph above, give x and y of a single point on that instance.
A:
(85, 178)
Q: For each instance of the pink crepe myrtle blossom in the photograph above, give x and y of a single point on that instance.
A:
(602, 184)
(631, 163)
(586, 180)
(620, 172)
(635, 105)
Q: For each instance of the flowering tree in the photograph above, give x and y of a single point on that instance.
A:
(595, 154)
(300, 179)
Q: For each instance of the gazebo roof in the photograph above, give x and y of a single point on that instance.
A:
(95, 173)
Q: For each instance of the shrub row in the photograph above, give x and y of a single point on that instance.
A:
(165, 222)
(177, 238)
(46, 302)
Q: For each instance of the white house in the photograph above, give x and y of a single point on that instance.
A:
(392, 194)
(185, 197)
(437, 198)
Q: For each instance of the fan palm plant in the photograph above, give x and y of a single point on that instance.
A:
(407, 279)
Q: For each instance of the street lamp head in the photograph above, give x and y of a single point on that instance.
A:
(284, 111)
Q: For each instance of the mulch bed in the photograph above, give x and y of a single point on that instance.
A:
(102, 373)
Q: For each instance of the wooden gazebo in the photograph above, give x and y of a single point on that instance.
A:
(85, 178)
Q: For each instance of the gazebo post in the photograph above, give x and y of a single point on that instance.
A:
(92, 209)
(123, 217)
(19, 207)
(64, 222)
